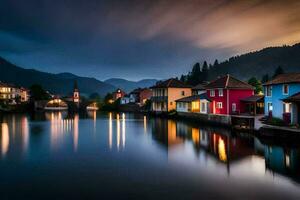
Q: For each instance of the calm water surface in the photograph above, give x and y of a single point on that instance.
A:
(130, 156)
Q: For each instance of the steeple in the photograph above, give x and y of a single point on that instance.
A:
(76, 96)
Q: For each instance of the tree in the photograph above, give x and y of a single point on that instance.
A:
(38, 93)
(204, 72)
(265, 78)
(216, 63)
(95, 97)
(278, 71)
(182, 78)
(108, 98)
(257, 84)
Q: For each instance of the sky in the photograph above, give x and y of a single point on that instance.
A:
(136, 39)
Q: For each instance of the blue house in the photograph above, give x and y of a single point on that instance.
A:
(282, 97)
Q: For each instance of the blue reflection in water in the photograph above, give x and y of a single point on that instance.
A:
(118, 155)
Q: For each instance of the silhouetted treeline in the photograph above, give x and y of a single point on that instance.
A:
(263, 65)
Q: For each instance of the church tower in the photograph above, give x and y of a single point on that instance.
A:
(76, 96)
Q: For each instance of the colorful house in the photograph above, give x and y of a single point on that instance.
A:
(226, 93)
(12, 94)
(195, 104)
(165, 93)
(281, 99)
(118, 94)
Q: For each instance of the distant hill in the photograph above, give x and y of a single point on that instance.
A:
(55, 83)
(260, 62)
(128, 86)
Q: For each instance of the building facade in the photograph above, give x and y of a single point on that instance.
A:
(118, 94)
(225, 94)
(12, 94)
(165, 94)
(195, 104)
(279, 100)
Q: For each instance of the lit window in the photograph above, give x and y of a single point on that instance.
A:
(234, 107)
(286, 108)
(269, 91)
(285, 89)
(212, 93)
(220, 92)
(270, 107)
(219, 105)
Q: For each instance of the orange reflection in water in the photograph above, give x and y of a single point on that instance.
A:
(145, 124)
(75, 132)
(195, 135)
(25, 132)
(123, 130)
(4, 138)
(110, 131)
(222, 150)
(59, 127)
(120, 130)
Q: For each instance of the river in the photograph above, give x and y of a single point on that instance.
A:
(57, 155)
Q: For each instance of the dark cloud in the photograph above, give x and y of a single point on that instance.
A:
(136, 39)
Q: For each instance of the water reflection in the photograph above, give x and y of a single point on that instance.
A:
(14, 131)
(4, 138)
(61, 124)
(193, 150)
(120, 126)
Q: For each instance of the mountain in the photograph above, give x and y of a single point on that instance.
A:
(260, 62)
(130, 85)
(55, 83)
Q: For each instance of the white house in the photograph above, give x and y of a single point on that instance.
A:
(195, 104)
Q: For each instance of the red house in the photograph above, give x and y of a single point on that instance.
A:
(118, 94)
(226, 93)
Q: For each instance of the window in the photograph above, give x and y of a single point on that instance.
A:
(203, 107)
(182, 93)
(270, 107)
(219, 105)
(220, 92)
(285, 89)
(212, 93)
(171, 103)
(234, 107)
(286, 108)
(269, 91)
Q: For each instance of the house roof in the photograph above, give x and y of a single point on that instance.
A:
(228, 82)
(285, 78)
(253, 98)
(171, 83)
(200, 86)
(193, 98)
(6, 84)
(293, 98)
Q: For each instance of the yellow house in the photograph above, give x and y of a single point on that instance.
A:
(165, 94)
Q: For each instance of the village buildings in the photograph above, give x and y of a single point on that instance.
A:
(225, 94)
(282, 97)
(12, 94)
(165, 94)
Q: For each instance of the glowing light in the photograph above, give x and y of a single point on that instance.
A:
(145, 124)
(123, 130)
(25, 132)
(195, 135)
(222, 150)
(110, 131)
(76, 120)
(118, 131)
(4, 138)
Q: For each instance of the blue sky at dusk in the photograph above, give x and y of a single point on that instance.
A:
(139, 39)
